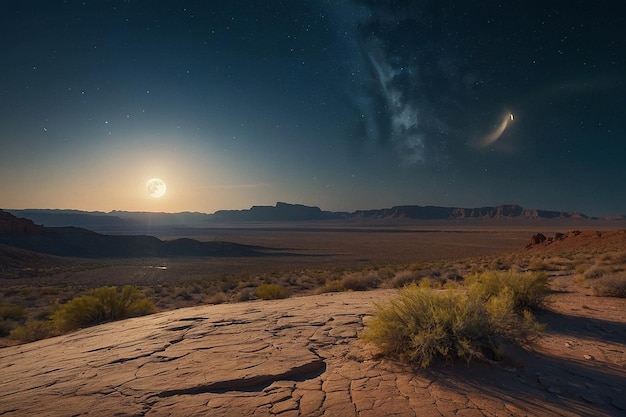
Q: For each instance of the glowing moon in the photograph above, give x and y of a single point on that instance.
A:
(495, 135)
(156, 187)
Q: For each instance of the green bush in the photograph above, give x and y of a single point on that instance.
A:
(33, 330)
(527, 289)
(334, 285)
(271, 291)
(11, 315)
(100, 305)
(422, 324)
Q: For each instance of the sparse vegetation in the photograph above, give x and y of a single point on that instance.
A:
(245, 294)
(34, 330)
(360, 281)
(11, 316)
(423, 324)
(334, 285)
(403, 278)
(527, 290)
(26, 307)
(271, 291)
(100, 305)
(537, 265)
(218, 298)
(613, 285)
(594, 272)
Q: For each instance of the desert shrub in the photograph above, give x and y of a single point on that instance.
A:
(183, 294)
(11, 315)
(416, 266)
(556, 263)
(537, 265)
(581, 268)
(271, 291)
(528, 290)
(50, 291)
(245, 294)
(306, 281)
(421, 325)
(452, 275)
(102, 304)
(227, 284)
(360, 281)
(610, 286)
(425, 283)
(334, 285)
(500, 264)
(33, 330)
(594, 272)
(436, 284)
(386, 272)
(403, 278)
(218, 298)
(450, 285)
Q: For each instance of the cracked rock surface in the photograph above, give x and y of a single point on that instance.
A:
(296, 357)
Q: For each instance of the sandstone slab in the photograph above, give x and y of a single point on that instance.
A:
(293, 357)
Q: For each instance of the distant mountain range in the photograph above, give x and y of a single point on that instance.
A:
(77, 242)
(281, 212)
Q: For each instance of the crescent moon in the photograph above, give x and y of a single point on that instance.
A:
(495, 135)
(156, 187)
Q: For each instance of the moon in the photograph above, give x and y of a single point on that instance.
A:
(156, 187)
(495, 135)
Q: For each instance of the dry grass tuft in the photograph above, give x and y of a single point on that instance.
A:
(594, 272)
(528, 290)
(403, 278)
(360, 281)
(334, 285)
(271, 291)
(613, 285)
(422, 325)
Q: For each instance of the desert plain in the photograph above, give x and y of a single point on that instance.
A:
(211, 351)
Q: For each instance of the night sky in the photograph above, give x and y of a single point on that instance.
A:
(339, 104)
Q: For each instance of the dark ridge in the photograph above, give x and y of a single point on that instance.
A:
(505, 211)
(82, 243)
(282, 212)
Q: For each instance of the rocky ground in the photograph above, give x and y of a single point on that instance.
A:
(302, 357)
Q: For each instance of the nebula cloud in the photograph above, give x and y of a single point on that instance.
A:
(403, 116)
(408, 94)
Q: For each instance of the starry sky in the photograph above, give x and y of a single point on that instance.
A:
(341, 104)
